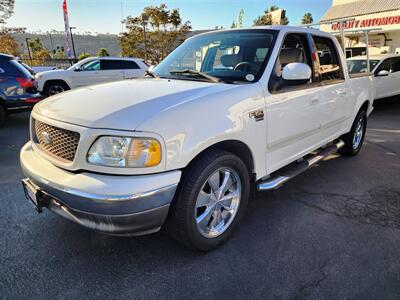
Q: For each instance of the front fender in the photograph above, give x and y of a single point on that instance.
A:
(193, 126)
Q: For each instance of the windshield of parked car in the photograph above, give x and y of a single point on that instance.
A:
(360, 65)
(229, 56)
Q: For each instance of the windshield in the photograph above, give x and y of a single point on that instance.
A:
(360, 65)
(229, 56)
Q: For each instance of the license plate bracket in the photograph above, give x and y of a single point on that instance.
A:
(34, 195)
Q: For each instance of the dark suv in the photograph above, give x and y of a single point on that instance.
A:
(18, 91)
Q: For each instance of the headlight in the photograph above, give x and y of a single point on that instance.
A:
(39, 76)
(115, 151)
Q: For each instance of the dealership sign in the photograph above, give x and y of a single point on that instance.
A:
(372, 22)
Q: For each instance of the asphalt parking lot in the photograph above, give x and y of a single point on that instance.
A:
(333, 232)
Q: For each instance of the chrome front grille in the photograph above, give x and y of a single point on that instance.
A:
(57, 142)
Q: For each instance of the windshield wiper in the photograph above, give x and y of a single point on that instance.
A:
(196, 73)
(151, 74)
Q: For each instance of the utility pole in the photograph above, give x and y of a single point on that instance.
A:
(144, 23)
(29, 50)
(72, 40)
(51, 44)
(122, 18)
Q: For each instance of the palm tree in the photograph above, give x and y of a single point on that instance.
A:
(266, 19)
(175, 19)
(307, 19)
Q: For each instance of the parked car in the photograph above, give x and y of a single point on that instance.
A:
(18, 91)
(90, 71)
(386, 70)
(225, 111)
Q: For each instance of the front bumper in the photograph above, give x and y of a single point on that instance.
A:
(113, 204)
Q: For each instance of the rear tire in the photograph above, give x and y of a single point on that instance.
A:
(355, 138)
(210, 201)
(55, 87)
(3, 115)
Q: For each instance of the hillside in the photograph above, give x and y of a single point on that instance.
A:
(83, 43)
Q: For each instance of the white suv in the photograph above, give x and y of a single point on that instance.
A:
(90, 71)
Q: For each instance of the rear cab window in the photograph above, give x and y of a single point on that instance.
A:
(114, 64)
(13, 68)
(328, 68)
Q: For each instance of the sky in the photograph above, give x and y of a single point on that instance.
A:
(104, 16)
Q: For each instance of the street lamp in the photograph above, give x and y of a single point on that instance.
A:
(72, 40)
(145, 19)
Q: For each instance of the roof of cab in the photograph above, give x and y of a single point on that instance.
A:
(281, 28)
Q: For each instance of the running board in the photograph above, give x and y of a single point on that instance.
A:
(277, 182)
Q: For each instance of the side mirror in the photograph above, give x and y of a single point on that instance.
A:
(297, 71)
(78, 69)
(382, 73)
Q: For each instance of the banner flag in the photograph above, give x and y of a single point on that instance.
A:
(68, 38)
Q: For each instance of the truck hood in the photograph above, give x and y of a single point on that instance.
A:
(123, 105)
(51, 72)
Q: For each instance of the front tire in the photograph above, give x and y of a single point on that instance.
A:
(210, 201)
(55, 87)
(355, 138)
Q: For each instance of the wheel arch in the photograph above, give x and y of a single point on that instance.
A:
(49, 81)
(236, 147)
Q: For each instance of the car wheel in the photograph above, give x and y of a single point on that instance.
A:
(211, 199)
(56, 87)
(3, 115)
(355, 138)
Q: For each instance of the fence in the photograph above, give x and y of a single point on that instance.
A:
(58, 63)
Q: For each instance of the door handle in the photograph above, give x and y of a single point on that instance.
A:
(314, 101)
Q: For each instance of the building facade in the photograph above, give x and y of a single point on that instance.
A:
(382, 17)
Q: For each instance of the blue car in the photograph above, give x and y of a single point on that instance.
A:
(18, 92)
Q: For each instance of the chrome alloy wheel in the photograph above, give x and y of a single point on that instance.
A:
(218, 202)
(56, 89)
(358, 134)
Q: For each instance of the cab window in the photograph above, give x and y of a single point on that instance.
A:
(294, 49)
(329, 69)
(391, 65)
(93, 65)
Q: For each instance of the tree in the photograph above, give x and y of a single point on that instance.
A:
(175, 18)
(35, 45)
(307, 19)
(59, 54)
(6, 10)
(9, 45)
(164, 31)
(233, 24)
(266, 19)
(83, 55)
(102, 52)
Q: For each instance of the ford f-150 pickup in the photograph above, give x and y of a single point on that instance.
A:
(224, 111)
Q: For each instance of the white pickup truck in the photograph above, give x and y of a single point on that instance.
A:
(226, 110)
(91, 70)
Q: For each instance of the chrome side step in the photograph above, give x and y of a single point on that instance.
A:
(277, 182)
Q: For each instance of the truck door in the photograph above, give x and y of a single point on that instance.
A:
(131, 69)
(334, 89)
(111, 70)
(293, 120)
(387, 86)
(87, 74)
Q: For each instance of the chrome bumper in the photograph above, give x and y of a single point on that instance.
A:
(120, 205)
